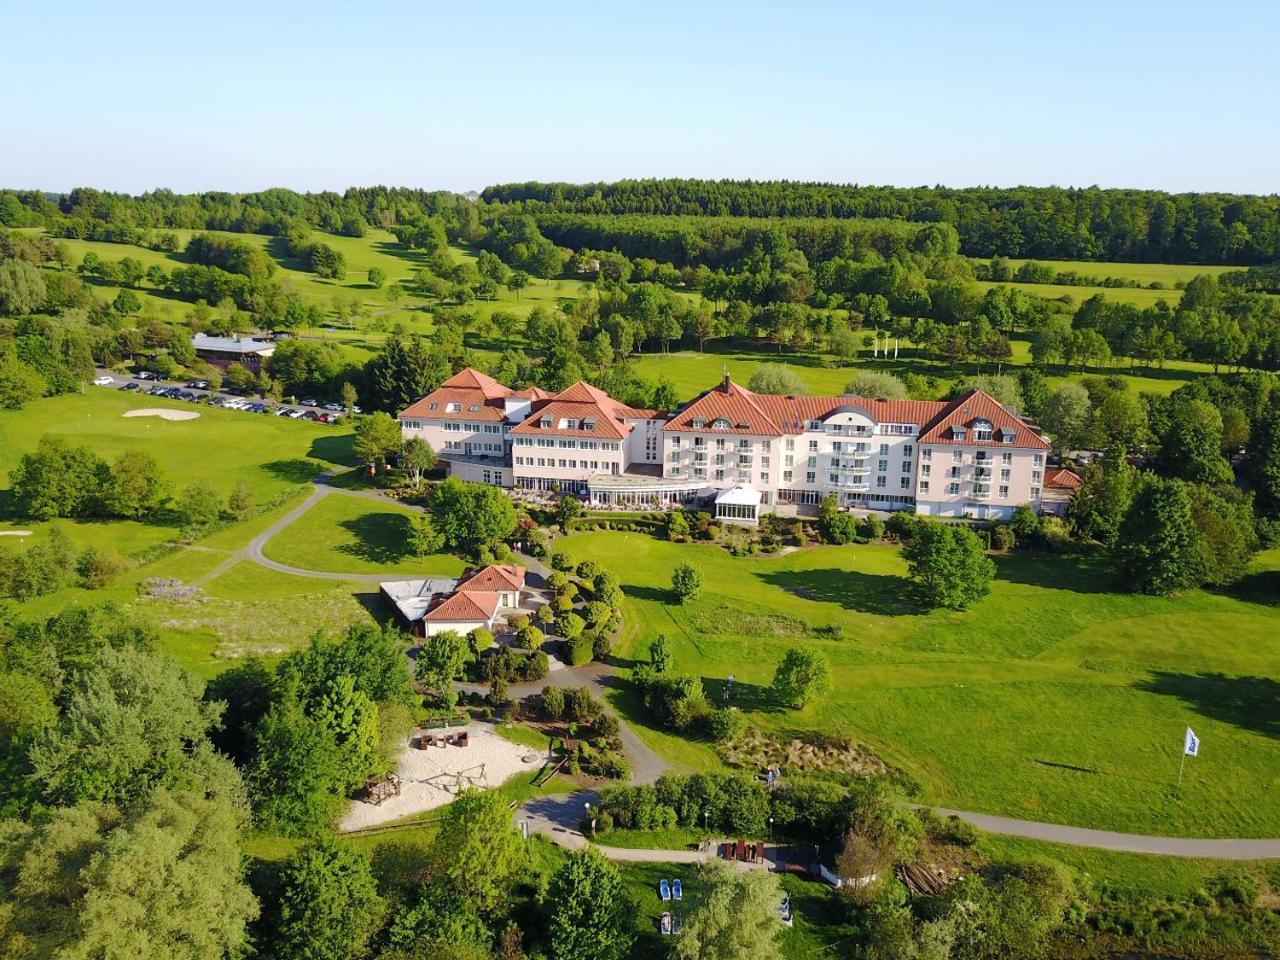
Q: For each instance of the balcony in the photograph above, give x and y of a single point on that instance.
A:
(981, 493)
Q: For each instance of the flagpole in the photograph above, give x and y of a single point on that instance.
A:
(1181, 767)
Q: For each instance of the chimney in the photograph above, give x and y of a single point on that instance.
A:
(724, 385)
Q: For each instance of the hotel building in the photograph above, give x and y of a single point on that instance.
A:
(750, 453)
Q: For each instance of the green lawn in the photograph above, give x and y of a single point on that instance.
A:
(1056, 698)
(350, 534)
(1166, 273)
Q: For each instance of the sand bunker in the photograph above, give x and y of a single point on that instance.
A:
(15, 533)
(162, 414)
(432, 777)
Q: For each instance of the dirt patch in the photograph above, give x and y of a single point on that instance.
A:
(432, 777)
(758, 751)
(162, 414)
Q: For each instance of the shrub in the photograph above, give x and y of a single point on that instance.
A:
(535, 666)
(601, 644)
(587, 569)
(98, 567)
(480, 640)
(530, 637)
(726, 724)
(1002, 537)
(553, 702)
(606, 725)
(561, 562)
(544, 614)
(498, 692)
(570, 625)
(902, 527)
(580, 706)
(557, 580)
(686, 582)
(561, 604)
(581, 650)
(871, 527)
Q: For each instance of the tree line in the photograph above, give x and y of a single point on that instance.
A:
(1040, 222)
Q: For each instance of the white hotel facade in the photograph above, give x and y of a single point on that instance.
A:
(751, 453)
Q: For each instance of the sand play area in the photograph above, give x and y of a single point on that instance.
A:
(162, 414)
(432, 777)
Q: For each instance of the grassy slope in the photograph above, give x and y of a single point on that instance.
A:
(1055, 698)
(1166, 273)
(355, 535)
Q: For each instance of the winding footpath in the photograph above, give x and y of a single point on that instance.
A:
(558, 816)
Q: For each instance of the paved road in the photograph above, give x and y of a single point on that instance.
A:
(558, 816)
(1126, 842)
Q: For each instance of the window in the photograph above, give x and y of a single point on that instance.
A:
(764, 477)
(786, 476)
(833, 478)
(764, 461)
(791, 444)
(1004, 473)
(1039, 460)
(925, 469)
(811, 462)
(719, 474)
(1035, 476)
(957, 456)
(904, 483)
(953, 489)
(1004, 492)
(475, 408)
(982, 429)
(906, 466)
(675, 442)
(926, 454)
(810, 478)
(432, 406)
(788, 460)
(882, 465)
(719, 423)
(453, 408)
(907, 449)
(1035, 493)
(884, 449)
(880, 483)
(698, 424)
(953, 472)
(1006, 458)
(813, 446)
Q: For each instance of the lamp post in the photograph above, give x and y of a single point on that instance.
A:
(771, 829)
(587, 806)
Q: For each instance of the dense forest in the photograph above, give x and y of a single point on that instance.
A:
(1045, 222)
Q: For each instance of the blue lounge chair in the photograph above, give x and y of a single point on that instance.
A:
(676, 892)
(664, 889)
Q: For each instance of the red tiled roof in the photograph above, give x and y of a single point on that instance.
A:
(469, 389)
(472, 379)
(977, 405)
(1062, 477)
(465, 606)
(771, 415)
(582, 402)
(496, 576)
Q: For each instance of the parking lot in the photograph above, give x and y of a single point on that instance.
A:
(197, 391)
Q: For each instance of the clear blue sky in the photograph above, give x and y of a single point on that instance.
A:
(239, 95)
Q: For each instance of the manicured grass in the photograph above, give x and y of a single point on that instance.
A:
(1138, 296)
(1133, 874)
(1166, 273)
(525, 736)
(349, 534)
(1056, 698)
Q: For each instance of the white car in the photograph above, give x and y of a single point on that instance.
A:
(103, 381)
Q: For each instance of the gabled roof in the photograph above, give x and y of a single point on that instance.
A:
(496, 576)
(739, 408)
(465, 606)
(1064, 478)
(475, 395)
(472, 379)
(955, 423)
(583, 403)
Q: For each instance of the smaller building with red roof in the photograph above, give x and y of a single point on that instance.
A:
(477, 599)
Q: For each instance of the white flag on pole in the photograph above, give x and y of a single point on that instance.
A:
(1191, 744)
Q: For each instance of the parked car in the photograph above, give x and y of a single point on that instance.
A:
(310, 403)
(131, 386)
(334, 407)
(198, 384)
(103, 381)
(282, 411)
(297, 414)
(146, 375)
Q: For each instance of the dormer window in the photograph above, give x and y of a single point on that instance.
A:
(588, 424)
(473, 408)
(453, 408)
(432, 406)
(982, 429)
(699, 423)
(719, 423)
(545, 422)
(958, 432)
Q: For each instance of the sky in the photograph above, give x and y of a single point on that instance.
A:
(239, 96)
